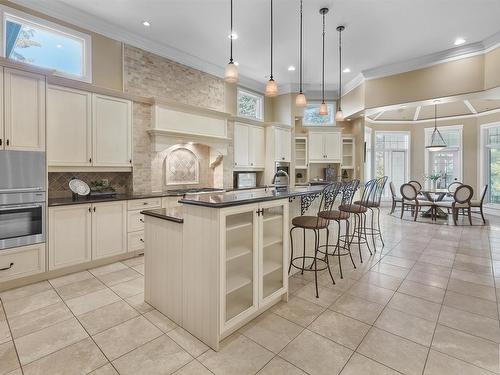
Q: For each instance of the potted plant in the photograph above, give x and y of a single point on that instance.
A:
(434, 178)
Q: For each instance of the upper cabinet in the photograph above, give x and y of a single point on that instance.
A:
(24, 111)
(325, 147)
(282, 144)
(249, 146)
(85, 129)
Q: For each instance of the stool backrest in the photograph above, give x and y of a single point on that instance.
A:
(417, 185)
(453, 187)
(328, 196)
(369, 192)
(379, 189)
(348, 191)
(409, 192)
(483, 194)
(463, 194)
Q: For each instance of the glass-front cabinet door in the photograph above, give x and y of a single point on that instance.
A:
(239, 263)
(274, 249)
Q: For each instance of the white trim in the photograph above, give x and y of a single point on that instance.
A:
(470, 106)
(482, 160)
(379, 114)
(417, 113)
(83, 38)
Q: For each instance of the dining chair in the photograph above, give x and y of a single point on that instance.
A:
(453, 186)
(395, 198)
(479, 204)
(417, 185)
(410, 200)
(461, 201)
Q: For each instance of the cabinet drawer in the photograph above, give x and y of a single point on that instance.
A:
(22, 261)
(136, 241)
(138, 204)
(135, 221)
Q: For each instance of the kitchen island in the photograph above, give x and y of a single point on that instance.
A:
(221, 259)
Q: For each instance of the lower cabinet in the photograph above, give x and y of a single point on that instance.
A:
(84, 232)
(22, 261)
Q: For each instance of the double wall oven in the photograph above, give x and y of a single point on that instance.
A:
(22, 198)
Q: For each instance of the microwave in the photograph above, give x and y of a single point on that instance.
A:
(245, 180)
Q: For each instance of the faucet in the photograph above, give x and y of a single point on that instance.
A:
(280, 184)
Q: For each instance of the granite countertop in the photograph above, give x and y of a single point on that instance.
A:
(235, 198)
(119, 197)
(173, 214)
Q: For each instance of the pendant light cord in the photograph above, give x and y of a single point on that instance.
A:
(323, 67)
(340, 67)
(271, 77)
(231, 36)
(300, 50)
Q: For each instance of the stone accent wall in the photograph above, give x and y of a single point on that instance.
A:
(150, 75)
(59, 188)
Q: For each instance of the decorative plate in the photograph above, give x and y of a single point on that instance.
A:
(79, 187)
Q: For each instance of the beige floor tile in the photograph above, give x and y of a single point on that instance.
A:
(160, 320)
(405, 325)
(8, 358)
(477, 351)
(389, 269)
(4, 327)
(117, 277)
(108, 316)
(316, 354)
(92, 301)
(134, 261)
(432, 269)
(99, 271)
(371, 293)
(107, 369)
(472, 277)
(24, 324)
(405, 254)
(159, 356)
(278, 366)
(298, 310)
(79, 358)
(271, 331)
(415, 306)
(472, 304)
(30, 303)
(340, 328)
(70, 279)
(129, 288)
(237, 355)
(15, 372)
(79, 288)
(193, 368)
(381, 280)
(49, 340)
(393, 351)
(295, 283)
(188, 342)
(396, 261)
(361, 365)
(428, 279)
(442, 364)
(474, 324)
(472, 289)
(340, 284)
(137, 302)
(139, 268)
(25, 291)
(327, 296)
(481, 261)
(125, 337)
(431, 258)
(357, 308)
(426, 292)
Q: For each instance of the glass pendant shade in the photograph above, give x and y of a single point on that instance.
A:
(271, 88)
(300, 100)
(339, 115)
(323, 109)
(231, 73)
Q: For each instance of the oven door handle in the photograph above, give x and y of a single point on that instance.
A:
(18, 190)
(15, 206)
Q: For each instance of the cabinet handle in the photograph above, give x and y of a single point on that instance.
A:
(140, 239)
(94, 208)
(0, 141)
(235, 163)
(144, 203)
(282, 158)
(130, 161)
(141, 220)
(7, 268)
(90, 210)
(90, 160)
(8, 142)
(251, 163)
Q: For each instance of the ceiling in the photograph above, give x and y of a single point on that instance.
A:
(378, 32)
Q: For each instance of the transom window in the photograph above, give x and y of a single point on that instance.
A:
(250, 105)
(313, 118)
(36, 41)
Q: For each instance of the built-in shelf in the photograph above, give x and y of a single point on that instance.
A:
(236, 281)
(238, 302)
(272, 240)
(237, 252)
(270, 266)
(235, 226)
(272, 217)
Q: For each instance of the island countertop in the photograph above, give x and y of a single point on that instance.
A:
(235, 198)
(171, 214)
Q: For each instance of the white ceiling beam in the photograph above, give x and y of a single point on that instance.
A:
(417, 112)
(470, 106)
(378, 115)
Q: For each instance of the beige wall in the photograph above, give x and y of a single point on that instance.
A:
(492, 69)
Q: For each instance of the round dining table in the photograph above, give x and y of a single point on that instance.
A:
(434, 195)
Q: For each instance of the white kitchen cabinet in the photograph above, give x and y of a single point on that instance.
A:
(22, 261)
(69, 127)
(111, 131)
(249, 146)
(325, 147)
(282, 144)
(70, 234)
(24, 111)
(109, 229)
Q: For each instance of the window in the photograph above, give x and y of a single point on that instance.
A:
(250, 105)
(392, 157)
(313, 118)
(368, 153)
(47, 45)
(490, 161)
(447, 162)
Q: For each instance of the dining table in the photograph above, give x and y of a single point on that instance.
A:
(434, 195)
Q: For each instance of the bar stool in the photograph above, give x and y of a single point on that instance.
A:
(342, 247)
(359, 211)
(314, 223)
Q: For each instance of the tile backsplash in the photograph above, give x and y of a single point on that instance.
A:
(58, 181)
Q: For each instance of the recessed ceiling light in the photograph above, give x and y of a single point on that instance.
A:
(59, 46)
(291, 68)
(146, 23)
(459, 41)
(236, 63)
(346, 70)
(233, 36)
(403, 107)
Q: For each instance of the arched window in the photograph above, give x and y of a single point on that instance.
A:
(181, 167)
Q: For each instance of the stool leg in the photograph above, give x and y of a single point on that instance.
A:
(366, 236)
(316, 244)
(358, 229)
(373, 230)
(338, 252)
(291, 250)
(378, 225)
(304, 254)
(348, 244)
(327, 257)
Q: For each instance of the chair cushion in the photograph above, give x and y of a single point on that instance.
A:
(334, 215)
(367, 204)
(420, 203)
(475, 203)
(450, 205)
(310, 222)
(353, 208)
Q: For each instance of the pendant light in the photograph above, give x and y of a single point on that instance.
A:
(339, 116)
(231, 73)
(323, 108)
(300, 100)
(271, 86)
(437, 140)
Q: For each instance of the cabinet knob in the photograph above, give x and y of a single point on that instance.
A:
(251, 163)
(8, 142)
(90, 210)
(235, 163)
(0, 141)
(130, 161)
(282, 158)
(141, 220)
(140, 239)
(94, 208)
(90, 160)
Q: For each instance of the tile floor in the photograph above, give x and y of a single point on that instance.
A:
(426, 304)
